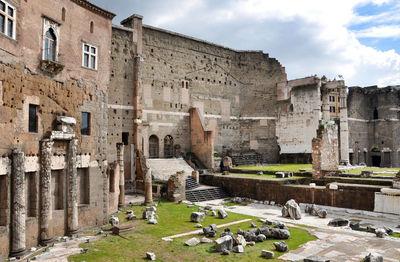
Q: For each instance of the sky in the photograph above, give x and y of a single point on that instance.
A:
(358, 40)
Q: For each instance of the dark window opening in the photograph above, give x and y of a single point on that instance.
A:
(168, 146)
(31, 194)
(33, 119)
(3, 200)
(376, 116)
(57, 189)
(63, 14)
(91, 27)
(83, 182)
(125, 137)
(85, 125)
(332, 109)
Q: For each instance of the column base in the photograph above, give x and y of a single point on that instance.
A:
(18, 253)
(45, 242)
(72, 233)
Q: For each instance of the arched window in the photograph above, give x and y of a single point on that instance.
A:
(50, 43)
(153, 146)
(168, 146)
(376, 116)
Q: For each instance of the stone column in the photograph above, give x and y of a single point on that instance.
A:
(45, 191)
(18, 241)
(344, 128)
(325, 103)
(72, 189)
(120, 160)
(148, 188)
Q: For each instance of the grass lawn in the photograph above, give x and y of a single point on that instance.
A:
(174, 219)
(264, 176)
(376, 170)
(278, 167)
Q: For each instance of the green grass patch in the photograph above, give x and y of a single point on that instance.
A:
(279, 167)
(264, 176)
(375, 170)
(174, 219)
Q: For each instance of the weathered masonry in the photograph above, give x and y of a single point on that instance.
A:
(160, 75)
(302, 105)
(374, 123)
(54, 75)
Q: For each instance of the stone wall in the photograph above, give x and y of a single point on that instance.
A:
(298, 115)
(57, 88)
(373, 123)
(356, 197)
(235, 92)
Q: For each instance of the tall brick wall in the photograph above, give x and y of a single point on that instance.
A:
(374, 138)
(234, 91)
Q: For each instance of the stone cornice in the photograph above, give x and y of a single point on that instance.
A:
(91, 7)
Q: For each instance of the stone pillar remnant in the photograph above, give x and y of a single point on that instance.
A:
(45, 191)
(18, 241)
(325, 150)
(177, 187)
(344, 127)
(72, 193)
(120, 160)
(195, 176)
(148, 188)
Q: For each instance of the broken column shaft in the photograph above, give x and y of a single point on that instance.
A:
(45, 191)
(72, 193)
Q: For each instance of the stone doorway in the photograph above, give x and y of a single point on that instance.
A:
(376, 160)
(153, 147)
(168, 146)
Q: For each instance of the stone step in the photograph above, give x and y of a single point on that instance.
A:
(199, 195)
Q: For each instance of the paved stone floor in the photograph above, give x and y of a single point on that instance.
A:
(337, 244)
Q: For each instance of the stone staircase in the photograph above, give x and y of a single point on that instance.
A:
(198, 193)
(163, 168)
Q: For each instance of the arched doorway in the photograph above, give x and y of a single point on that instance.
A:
(153, 146)
(168, 146)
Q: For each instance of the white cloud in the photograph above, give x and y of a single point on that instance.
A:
(384, 31)
(308, 37)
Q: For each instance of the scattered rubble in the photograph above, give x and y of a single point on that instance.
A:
(281, 246)
(192, 242)
(267, 254)
(338, 222)
(197, 217)
(291, 209)
(373, 257)
(150, 256)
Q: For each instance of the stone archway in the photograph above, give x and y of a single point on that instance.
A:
(168, 146)
(153, 147)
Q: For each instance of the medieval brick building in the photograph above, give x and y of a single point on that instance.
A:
(54, 76)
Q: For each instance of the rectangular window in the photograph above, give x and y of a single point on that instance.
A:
(332, 109)
(33, 119)
(85, 125)
(3, 200)
(89, 56)
(125, 138)
(332, 98)
(7, 19)
(57, 189)
(31, 194)
(84, 189)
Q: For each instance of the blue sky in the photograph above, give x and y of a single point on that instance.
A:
(359, 39)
